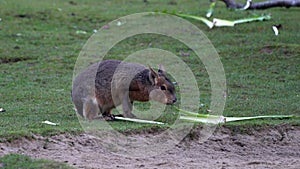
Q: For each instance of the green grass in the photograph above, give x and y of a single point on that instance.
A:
(39, 47)
(20, 161)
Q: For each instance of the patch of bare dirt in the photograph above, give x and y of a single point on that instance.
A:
(271, 147)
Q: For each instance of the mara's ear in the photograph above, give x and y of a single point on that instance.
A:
(161, 70)
(153, 76)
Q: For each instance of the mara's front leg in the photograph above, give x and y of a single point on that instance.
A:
(127, 106)
(108, 116)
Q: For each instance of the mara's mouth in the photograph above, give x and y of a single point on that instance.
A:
(170, 103)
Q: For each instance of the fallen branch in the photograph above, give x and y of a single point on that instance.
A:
(262, 5)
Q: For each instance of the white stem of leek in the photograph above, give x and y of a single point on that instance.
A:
(138, 120)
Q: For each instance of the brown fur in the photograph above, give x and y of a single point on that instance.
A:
(119, 83)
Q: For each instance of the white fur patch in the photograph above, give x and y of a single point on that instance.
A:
(95, 100)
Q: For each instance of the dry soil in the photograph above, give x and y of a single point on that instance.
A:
(268, 147)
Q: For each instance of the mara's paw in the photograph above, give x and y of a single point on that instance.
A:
(109, 117)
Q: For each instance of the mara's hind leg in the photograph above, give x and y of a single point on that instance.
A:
(91, 109)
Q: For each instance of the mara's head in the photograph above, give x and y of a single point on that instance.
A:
(163, 89)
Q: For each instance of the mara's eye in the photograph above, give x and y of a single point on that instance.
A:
(163, 88)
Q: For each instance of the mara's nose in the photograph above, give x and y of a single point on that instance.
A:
(174, 100)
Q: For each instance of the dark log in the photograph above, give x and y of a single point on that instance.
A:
(263, 5)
